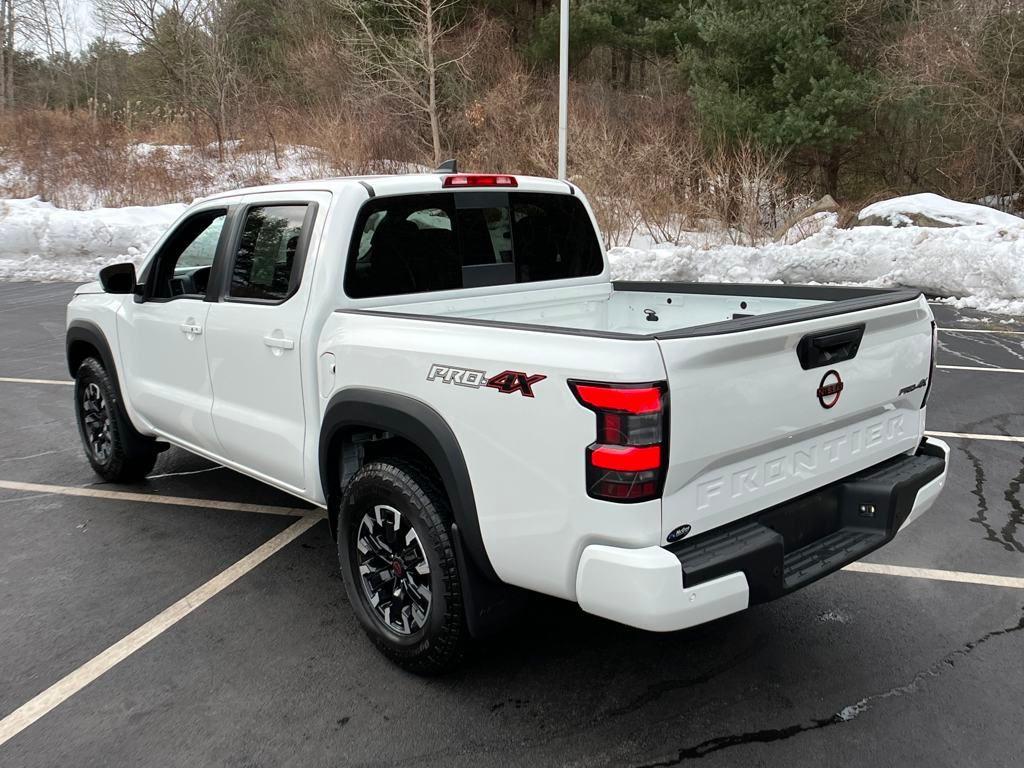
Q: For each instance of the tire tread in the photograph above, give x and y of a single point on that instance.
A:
(444, 650)
(133, 455)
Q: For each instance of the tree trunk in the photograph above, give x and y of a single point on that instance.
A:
(10, 53)
(830, 169)
(435, 126)
(222, 122)
(3, 53)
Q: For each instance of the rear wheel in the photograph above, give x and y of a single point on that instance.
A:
(116, 451)
(396, 554)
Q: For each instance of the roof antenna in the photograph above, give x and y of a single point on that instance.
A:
(448, 166)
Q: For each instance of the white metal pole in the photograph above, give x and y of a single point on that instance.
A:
(563, 86)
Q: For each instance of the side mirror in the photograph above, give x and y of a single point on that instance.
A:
(118, 278)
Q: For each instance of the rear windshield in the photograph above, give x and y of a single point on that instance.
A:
(444, 241)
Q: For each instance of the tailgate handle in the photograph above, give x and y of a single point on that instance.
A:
(829, 347)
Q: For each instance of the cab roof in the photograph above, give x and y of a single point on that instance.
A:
(398, 184)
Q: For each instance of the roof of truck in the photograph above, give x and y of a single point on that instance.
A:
(398, 184)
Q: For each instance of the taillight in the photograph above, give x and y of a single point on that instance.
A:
(479, 180)
(627, 461)
(931, 365)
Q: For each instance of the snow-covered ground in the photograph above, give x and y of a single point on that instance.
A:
(981, 265)
(977, 260)
(978, 265)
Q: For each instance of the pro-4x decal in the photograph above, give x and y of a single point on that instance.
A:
(506, 382)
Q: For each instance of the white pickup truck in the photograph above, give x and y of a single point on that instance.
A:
(443, 363)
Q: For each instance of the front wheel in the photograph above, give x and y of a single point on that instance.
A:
(396, 553)
(115, 450)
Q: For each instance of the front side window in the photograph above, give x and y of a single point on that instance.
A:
(182, 267)
(444, 241)
(266, 265)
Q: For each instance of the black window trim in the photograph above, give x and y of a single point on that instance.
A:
(359, 222)
(143, 290)
(301, 249)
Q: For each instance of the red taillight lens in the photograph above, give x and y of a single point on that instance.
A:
(625, 459)
(627, 462)
(643, 399)
(479, 180)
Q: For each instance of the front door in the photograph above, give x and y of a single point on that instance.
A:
(254, 339)
(163, 334)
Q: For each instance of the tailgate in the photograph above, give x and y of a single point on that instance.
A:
(758, 417)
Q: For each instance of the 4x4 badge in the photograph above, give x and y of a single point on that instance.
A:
(508, 382)
(829, 390)
(505, 382)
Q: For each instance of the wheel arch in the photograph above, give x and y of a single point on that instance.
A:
(85, 339)
(418, 424)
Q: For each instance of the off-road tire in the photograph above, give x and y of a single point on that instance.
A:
(116, 451)
(400, 484)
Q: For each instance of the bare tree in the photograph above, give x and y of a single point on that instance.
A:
(164, 29)
(967, 61)
(220, 84)
(7, 31)
(398, 51)
(47, 27)
(3, 53)
(191, 41)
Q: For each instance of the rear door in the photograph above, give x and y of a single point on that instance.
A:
(755, 421)
(254, 335)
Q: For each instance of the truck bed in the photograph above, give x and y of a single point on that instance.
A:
(653, 310)
(748, 369)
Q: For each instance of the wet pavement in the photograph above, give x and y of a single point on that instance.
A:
(857, 669)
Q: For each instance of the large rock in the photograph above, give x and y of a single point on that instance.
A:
(930, 210)
(824, 205)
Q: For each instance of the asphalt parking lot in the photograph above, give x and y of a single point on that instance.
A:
(202, 620)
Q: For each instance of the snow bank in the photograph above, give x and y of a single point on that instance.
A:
(901, 211)
(984, 263)
(41, 242)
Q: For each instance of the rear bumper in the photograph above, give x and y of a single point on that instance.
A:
(763, 556)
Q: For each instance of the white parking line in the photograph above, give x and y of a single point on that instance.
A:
(10, 380)
(980, 368)
(68, 686)
(151, 498)
(970, 436)
(981, 330)
(62, 690)
(962, 577)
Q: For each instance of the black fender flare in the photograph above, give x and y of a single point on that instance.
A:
(91, 334)
(425, 428)
(85, 331)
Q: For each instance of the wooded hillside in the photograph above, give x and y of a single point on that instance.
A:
(728, 109)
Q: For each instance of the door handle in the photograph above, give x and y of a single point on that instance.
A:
(278, 342)
(190, 329)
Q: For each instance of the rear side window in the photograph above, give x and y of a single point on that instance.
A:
(445, 241)
(267, 262)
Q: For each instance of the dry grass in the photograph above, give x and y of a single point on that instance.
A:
(638, 156)
(76, 162)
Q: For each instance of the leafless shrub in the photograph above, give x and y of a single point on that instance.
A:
(638, 156)
(745, 190)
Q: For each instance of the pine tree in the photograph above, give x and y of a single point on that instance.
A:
(776, 71)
